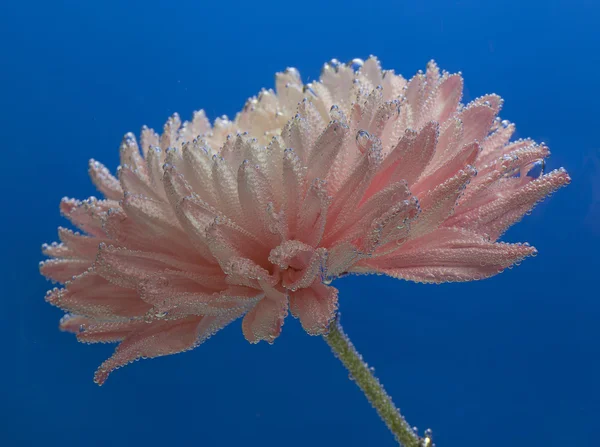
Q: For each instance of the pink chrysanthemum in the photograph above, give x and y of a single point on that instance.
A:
(361, 172)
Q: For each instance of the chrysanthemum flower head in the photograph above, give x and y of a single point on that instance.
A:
(360, 172)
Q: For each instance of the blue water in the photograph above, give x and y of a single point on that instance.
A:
(511, 361)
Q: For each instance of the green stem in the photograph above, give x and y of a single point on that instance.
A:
(343, 349)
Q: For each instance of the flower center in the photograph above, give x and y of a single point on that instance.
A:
(297, 264)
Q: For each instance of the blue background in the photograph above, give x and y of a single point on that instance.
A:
(511, 361)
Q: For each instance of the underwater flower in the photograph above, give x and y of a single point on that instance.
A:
(360, 172)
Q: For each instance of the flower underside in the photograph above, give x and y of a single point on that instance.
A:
(360, 172)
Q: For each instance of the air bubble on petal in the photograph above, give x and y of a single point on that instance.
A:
(308, 88)
(362, 140)
(534, 169)
(356, 64)
(336, 114)
(293, 71)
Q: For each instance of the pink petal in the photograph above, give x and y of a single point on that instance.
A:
(63, 270)
(296, 135)
(154, 165)
(245, 272)
(372, 70)
(134, 182)
(355, 186)
(393, 225)
(170, 132)
(226, 240)
(432, 76)
(106, 183)
(91, 295)
(449, 142)
(289, 87)
(415, 96)
(126, 268)
(225, 185)
(448, 96)
(450, 167)
(495, 217)
(274, 156)
(338, 82)
(236, 149)
(195, 217)
(447, 254)
(199, 172)
(367, 212)
(326, 149)
(315, 306)
(89, 330)
(477, 120)
(493, 146)
(409, 159)
(385, 120)
(87, 215)
(160, 338)
(301, 262)
(308, 110)
(392, 84)
(440, 202)
(157, 221)
(56, 250)
(255, 194)
(492, 100)
(265, 320)
(313, 214)
(122, 230)
(340, 258)
(198, 126)
(130, 156)
(148, 139)
(82, 246)
(178, 294)
(293, 188)
(368, 111)
(482, 189)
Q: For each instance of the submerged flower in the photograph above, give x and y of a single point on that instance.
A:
(360, 172)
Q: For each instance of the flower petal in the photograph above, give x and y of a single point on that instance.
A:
(177, 294)
(265, 320)
(106, 183)
(126, 268)
(63, 270)
(81, 246)
(87, 215)
(439, 203)
(198, 126)
(160, 338)
(447, 255)
(91, 295)
(315, 306)
(448, 96)
(90, 330)
(409, 158)
(510, 206)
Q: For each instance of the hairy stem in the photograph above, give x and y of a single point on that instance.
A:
(344, 350)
